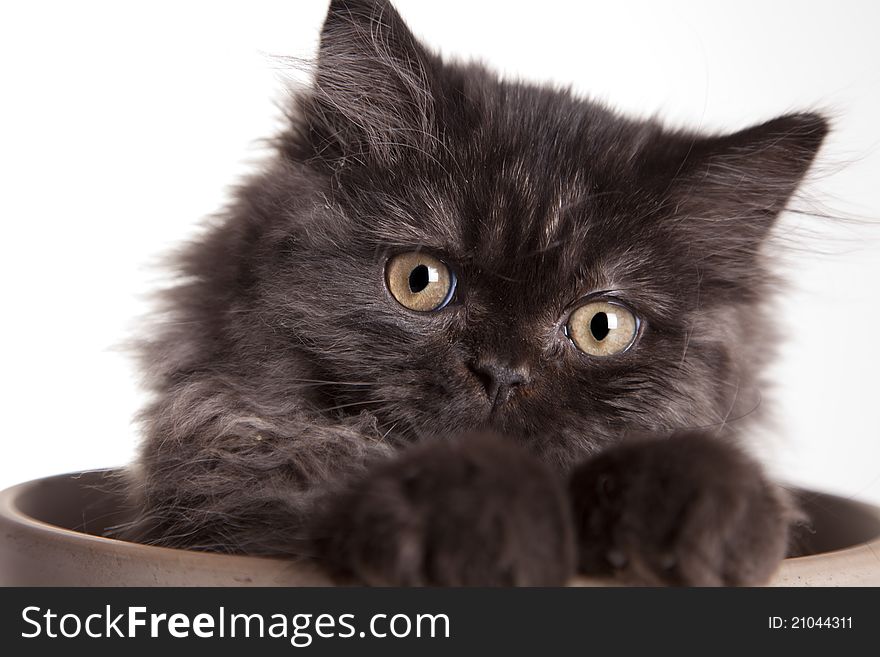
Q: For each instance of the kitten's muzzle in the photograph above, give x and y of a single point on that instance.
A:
(498, 379)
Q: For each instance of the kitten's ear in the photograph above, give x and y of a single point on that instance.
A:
(733, 187)
(374, 85)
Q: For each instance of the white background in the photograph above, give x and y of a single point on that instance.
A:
(122, 124)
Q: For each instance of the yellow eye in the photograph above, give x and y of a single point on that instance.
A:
(419, 281)
(600, 328)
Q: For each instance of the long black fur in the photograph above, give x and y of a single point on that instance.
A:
(285, 376)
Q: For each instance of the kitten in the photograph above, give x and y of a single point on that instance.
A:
(466, 331)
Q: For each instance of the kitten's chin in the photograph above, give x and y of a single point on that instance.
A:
(505, 419)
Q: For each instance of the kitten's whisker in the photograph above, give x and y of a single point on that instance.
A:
(358, 403)
(730, 410)
(687, 342)
(723, 421)
(386, 434)
(333, 383)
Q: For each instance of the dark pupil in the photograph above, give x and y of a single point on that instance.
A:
(418, 279)
(598, 326)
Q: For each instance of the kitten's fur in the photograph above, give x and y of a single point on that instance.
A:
(300, 410)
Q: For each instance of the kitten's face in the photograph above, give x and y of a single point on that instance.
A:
(532, 223)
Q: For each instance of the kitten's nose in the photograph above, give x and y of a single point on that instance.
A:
(499, 379)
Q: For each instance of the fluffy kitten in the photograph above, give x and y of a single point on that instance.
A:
(466, 331)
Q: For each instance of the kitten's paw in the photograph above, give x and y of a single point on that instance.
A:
(688, 510)
(474, 512)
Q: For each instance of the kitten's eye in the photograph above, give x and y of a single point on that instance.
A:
(419, 281)
(601, 328)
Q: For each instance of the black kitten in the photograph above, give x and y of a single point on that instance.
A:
(465, 331)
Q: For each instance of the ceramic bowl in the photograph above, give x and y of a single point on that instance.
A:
(50, 535)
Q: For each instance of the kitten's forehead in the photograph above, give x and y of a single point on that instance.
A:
(549, 173)
(545, 215)
(537, 197)
(526, 203)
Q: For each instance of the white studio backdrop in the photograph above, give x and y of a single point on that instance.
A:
(123, 124)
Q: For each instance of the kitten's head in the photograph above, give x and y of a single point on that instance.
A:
(445, 250)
